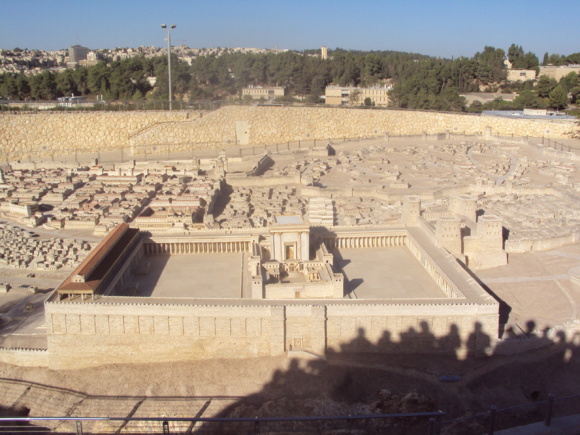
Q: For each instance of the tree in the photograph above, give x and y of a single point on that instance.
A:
(515, 52)
(98, 79)
(369, 102)
(521, 60)
(545, 86)
(558, 98)
(529, 100)
(491, 66)
(138, 95)
(353, 97)
(570, 81)
(23, 87)
(66, 83)
(575, 95)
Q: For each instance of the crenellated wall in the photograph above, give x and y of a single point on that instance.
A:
(125, 329)
(66, 133)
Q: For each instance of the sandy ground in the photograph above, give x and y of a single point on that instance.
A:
(345, 383)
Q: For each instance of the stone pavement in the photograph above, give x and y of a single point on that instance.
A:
(537, 287)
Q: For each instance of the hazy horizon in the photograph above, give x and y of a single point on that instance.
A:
(446, 28)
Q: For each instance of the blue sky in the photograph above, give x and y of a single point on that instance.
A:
(443, 28)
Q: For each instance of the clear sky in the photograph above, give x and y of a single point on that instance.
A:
(443, 28)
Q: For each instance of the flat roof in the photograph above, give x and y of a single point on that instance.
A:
(519, 114)
(289, 220)
(104, 257)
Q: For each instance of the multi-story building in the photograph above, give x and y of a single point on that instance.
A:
(356, 96)
(76, 53)
(92, 59)
(521, 75)
(557, 72)
(263, 92)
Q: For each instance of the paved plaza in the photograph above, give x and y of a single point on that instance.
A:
(385, 273)
(537, 287)
(193, 276)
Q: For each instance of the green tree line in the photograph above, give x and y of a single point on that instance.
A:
(420, 82)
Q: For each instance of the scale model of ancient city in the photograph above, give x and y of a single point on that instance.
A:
(257, 231)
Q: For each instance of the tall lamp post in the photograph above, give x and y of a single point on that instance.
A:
(169, 29)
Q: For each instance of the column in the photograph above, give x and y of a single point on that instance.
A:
(277, 238)
(305, 245)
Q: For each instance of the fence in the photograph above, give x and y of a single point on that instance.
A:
(432, 422)
(112, 106)
(175, 151)
(213, 149)
(119, 105)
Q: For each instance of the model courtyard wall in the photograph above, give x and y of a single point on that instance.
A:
(129, 330)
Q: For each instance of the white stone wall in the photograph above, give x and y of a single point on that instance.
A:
(24, 135)
(90, 334)
(64, 133)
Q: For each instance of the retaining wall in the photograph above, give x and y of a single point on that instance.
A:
(23, 135)
(91, 334)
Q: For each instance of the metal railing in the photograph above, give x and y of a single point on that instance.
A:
(371, 423)
(203, 425)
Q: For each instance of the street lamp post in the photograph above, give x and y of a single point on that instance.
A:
(163, 26)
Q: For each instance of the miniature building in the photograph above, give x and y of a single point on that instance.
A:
(448, 234)
(290, 273)
(321, 211)
(284, 300)
(485, 248)
(96, 274)
(411, 210)
(463, 205)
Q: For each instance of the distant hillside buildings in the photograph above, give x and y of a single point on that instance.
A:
(356, 96)
(552, 71)
(263, 92)
(557, 72)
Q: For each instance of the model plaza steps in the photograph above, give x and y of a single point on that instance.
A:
(47, 401)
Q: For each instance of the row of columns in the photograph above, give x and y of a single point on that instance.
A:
(367, 242)
(440, 280)
(196, 248)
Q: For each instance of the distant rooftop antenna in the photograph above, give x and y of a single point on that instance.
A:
(276, 48)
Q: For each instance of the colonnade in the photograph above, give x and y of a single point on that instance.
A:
(368, 241)
(433, 271)
(176, 248)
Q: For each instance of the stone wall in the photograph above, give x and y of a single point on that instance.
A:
(268, 125)
(64, 133)
(24, 357)
(132, 330)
